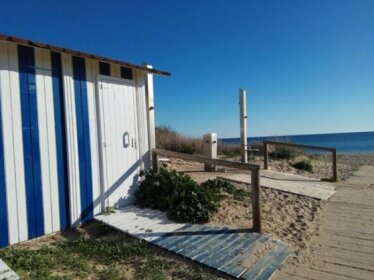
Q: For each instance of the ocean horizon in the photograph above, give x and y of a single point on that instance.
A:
(347, 142)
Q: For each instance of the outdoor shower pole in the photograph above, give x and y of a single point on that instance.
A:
(243, 125)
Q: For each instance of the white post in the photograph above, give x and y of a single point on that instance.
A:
(210, 149)
(151, 109)
(243, 125)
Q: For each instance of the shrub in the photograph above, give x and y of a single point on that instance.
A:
(305, 165)
(192, 204)
(284, 153)
(177, 194)
(229, 150)
(219, 186)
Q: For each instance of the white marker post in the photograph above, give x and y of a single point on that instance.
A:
(210, 150)
(243, 125)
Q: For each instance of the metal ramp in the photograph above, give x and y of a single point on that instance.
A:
(236, 252)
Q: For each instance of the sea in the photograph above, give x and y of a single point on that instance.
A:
(351, 142)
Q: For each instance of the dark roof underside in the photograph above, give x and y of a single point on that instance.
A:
(82, 54)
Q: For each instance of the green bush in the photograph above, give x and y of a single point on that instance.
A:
(192, 204)
(219, 186)
(305, 165)
(177, 194)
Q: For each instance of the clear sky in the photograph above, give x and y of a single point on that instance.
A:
(307, 66)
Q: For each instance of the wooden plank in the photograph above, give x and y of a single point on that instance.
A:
(311, 147)
(119, 218)
(150, 222)
(334, 166)
(212, 245)
(155, 159)
(277, 254)
(194, 242)
(174, 243)
(256, 208)
(181, 235)
(230, 249)
(190, 248)
(132, 225)
(266, 156)
(233, 264)
(221, 246)
(273, 266)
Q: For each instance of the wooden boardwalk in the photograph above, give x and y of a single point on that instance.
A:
(288, 182)
(345, 247)
(239, 253)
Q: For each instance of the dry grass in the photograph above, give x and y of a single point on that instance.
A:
(169, 139)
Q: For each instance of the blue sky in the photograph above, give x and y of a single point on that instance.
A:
(307, 66)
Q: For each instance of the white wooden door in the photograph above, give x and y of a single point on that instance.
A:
(118, 133)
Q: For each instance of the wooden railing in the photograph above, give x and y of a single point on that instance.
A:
(253, 168)
(285, 144)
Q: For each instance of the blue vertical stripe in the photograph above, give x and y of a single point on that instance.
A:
(30, 137)
(4, 232)
(84, 146)
(59, 112)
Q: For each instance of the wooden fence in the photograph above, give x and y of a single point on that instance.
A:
(285, 144)
(253, 168)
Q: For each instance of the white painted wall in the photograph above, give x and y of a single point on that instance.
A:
(13, 145)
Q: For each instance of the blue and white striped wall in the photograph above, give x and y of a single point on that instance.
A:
(49, 150)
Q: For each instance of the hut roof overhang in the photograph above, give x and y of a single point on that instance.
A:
(82, 54)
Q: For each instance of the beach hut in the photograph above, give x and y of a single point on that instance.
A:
(75, 130)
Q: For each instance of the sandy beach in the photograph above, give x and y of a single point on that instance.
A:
(293, 218)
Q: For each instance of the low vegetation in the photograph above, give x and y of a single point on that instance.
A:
(177, 194)
(222, 189)
(182, 198)
(305, 165)
(168, 139)
(286, 153)
(97, 252)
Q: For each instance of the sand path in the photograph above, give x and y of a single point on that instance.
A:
(345, 248)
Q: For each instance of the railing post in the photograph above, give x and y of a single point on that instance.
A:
(266, 155)
(256, 207)
(155, 162)
(334, 166)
